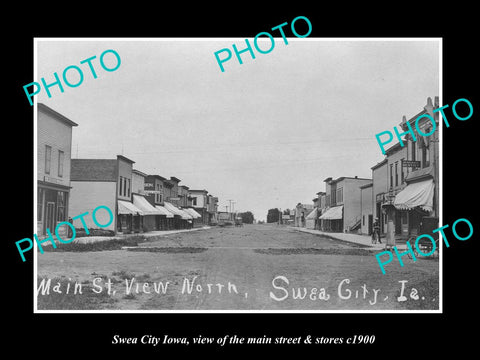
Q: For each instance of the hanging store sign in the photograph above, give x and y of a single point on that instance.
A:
(410, 163)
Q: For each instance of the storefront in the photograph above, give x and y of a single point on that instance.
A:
(332, 219)
(181, 220)
(416, 201)
(311, 219)
(129, 217)
(52, 206)
(163, 222)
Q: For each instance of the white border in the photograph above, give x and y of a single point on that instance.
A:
(439, 311)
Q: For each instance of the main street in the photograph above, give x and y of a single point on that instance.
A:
(254, 267)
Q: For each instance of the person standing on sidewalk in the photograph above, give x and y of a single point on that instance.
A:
(376, 232)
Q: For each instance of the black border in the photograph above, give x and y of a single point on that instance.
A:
(91, 334)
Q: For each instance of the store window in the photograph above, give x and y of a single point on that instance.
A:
(120, 190)
(40, 204)
(61, 204)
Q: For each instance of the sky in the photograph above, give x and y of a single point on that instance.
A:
(265, 133)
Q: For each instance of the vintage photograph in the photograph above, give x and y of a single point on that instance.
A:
(209, 175)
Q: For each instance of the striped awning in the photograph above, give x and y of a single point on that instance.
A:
(334, 213)
(127, 208)
(417, 194)
(164, 211)
(312, 215)
(176, 211)
(143, 204)
(192, 212)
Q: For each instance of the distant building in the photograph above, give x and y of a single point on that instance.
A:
(104, 182)
(406, 182)
(54, 144)
(379, 193)
(418, 202)
(199, 203)
(343, 202)
(366, 204)
(153, 189)
(301, 213)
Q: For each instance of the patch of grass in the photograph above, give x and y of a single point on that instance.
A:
(172, 250)
(87, 300)
(110, 244)
(428, 289)
(313, 251)
(122, 274)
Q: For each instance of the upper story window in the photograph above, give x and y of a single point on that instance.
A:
(48, 158)
(61, 156)
(391, 175)
(403, 174)
(396, 173)
(425, 157)
(339, 195)
(124, 189)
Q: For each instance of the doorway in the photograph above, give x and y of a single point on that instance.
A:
(49, 217)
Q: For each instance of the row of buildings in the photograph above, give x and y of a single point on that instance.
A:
(403, 192)
(140, 202)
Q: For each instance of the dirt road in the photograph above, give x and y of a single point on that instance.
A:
(254, 267)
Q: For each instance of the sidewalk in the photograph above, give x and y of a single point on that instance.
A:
(92, 239)
(365, 240)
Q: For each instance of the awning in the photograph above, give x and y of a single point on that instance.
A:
(143, 204)
(334, 213)
(312, 215)
(164, 211)
(176, 211)
(193, 213)
(186, 215)
(416, 194)
(127, 208)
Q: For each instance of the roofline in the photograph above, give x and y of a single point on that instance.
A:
(192, 190)
(157, 177)
(175, 179)
(45, 108)
(396, 147)
(125, 159)
(139, 172)
(349, 177)
(377, 165)
(414, 118)
(366, 185)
